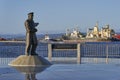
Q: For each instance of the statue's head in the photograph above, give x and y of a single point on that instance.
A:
(30, 15)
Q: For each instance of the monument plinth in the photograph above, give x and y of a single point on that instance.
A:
(31, 60)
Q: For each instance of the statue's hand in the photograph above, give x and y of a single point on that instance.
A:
(36, 24)
(35, 30)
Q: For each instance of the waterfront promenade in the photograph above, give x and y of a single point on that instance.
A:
(68, 72)
(99, 61)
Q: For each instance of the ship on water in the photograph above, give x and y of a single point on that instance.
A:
(93, 35)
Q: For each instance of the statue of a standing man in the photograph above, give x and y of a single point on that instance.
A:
(31, 39)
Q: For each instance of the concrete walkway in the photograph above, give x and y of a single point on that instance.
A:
(68, 72)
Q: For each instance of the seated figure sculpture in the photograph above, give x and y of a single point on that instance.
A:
(31, 39)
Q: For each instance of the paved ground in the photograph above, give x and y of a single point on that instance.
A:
(68, 72)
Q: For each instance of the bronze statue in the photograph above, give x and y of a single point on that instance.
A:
(31, 39)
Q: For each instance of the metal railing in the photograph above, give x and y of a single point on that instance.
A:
(71, 52)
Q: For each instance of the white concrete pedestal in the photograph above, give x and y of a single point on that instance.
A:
(31, 60)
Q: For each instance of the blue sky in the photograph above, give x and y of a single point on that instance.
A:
(55, 16)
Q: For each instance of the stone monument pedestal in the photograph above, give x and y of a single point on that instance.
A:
(31, 60)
